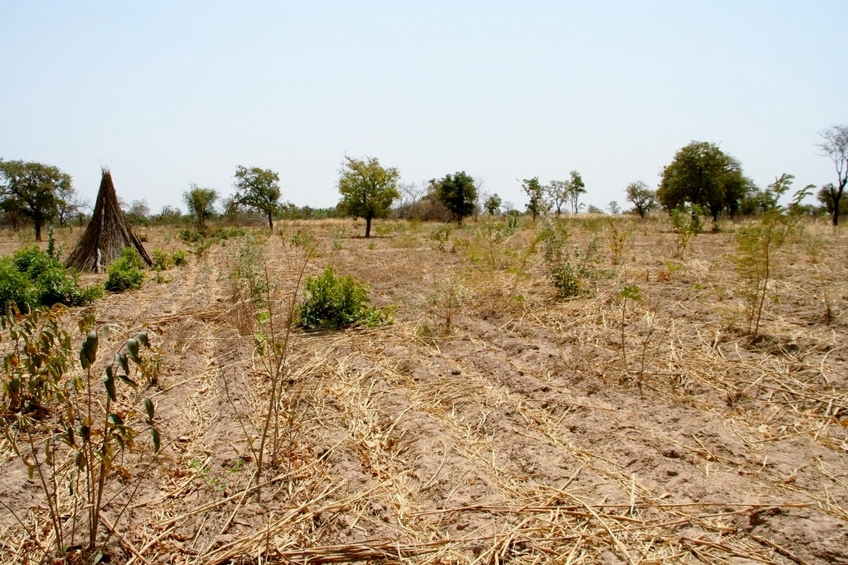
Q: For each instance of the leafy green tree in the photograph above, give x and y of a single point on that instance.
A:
(12, 212)
(703, 174)
(32, 190)
(458, 193)
(827, 198)
(492, 205)
(576, 187)
(367, 189)
(834, 145)
(737, 187)
(201, 204)
(536, 193)
(558, 192)
(643, 198)
(258, 189)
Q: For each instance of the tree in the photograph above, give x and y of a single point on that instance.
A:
(536, 192)
(169, 215)
(201, 204)
(492, 205)
(557, 191)
(367, 189)
(834, 145)
(737, 187)
(258, 189)
(12, 212)
(68, 204)
(458, 193)
(138, 212)
(827, 198)
(614, 208)
(231, 208)
(703, 174)
(32, 189)
(576, 187)
(643, 198)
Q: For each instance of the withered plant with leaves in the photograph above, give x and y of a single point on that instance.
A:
(76, 443)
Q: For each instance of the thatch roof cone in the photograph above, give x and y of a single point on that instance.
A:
(107, 234)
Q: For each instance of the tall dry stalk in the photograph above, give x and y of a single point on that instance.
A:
(274, 354)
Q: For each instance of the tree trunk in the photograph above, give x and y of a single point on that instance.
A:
(270, 221)
(38, 221)
(368, 226)
(837, 198)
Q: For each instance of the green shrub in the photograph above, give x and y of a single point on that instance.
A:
(191, 236)
(162, 260)
(180, 258)
(337, 302)
(16, 287)
(686, 221)
(512, 219)
(126, 272)
(228, 233)
(565, 280)
(220, 234)
(32, 278)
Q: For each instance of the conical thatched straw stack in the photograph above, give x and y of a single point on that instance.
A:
(107, 234)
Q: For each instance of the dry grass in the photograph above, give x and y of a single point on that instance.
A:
(492, 422)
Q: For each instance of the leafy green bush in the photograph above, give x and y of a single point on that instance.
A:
(337, 301)
(191, 236)
(512, 219)
(162, 260)
(220, 234)
(565, 280)
(228, 233)
(180, 258)
(686, 221)
(126, 272)
(32, 278)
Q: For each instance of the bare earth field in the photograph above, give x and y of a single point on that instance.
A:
(491, 422)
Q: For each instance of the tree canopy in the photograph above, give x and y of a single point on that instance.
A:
(493, 204)
(643, 198)
(536, 193)
(557, 191)
(258, 189)
(32, 189)
(457, 192)
(201, 204)
(834, 145)
(575, 187)
(703, 174)
(367, 189)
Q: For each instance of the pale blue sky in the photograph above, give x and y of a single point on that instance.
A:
(170, 93)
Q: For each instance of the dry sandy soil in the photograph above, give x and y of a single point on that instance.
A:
(491, 422)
